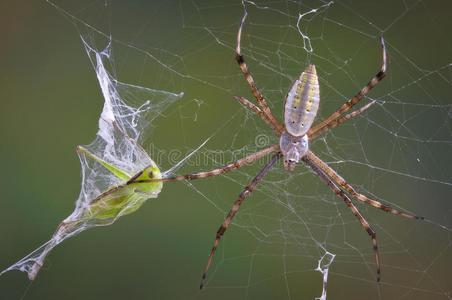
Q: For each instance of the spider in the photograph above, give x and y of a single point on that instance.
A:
(300, 110)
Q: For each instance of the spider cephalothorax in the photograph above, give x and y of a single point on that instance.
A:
(293, 149)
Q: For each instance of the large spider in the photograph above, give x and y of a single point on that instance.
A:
(300, 110)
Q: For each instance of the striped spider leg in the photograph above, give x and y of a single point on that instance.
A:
(267, 115)
(350, 204)
(300, 111)
(229, 167)
(323, 126)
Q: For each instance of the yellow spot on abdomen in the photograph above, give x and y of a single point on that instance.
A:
(309, 103)
(300, 87)
(296, 101)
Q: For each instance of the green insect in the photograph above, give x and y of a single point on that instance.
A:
(117, 200)
(125, 198)
(118, 175)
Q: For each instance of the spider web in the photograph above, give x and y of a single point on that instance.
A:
(292, 237)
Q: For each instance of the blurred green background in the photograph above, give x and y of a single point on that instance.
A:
(398, 152)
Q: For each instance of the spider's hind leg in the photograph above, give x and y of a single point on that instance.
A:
(341, 120)
(260, 113)
(350, 103)
(257, 94)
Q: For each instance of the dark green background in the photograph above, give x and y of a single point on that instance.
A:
(50, 103)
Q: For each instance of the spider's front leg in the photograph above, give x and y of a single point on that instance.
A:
(248, 189)
(229, 167)
(341, 181)
(352, 207)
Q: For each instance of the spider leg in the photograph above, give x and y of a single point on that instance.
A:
(352, 207)
(349, 104)
(258, 111)
(229, 167)
(341, 181)
(235, 208)
(260, 99)
(339, 121)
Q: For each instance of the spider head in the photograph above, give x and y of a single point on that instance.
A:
(292, 149)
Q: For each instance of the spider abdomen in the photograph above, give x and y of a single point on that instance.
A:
(302, 103)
